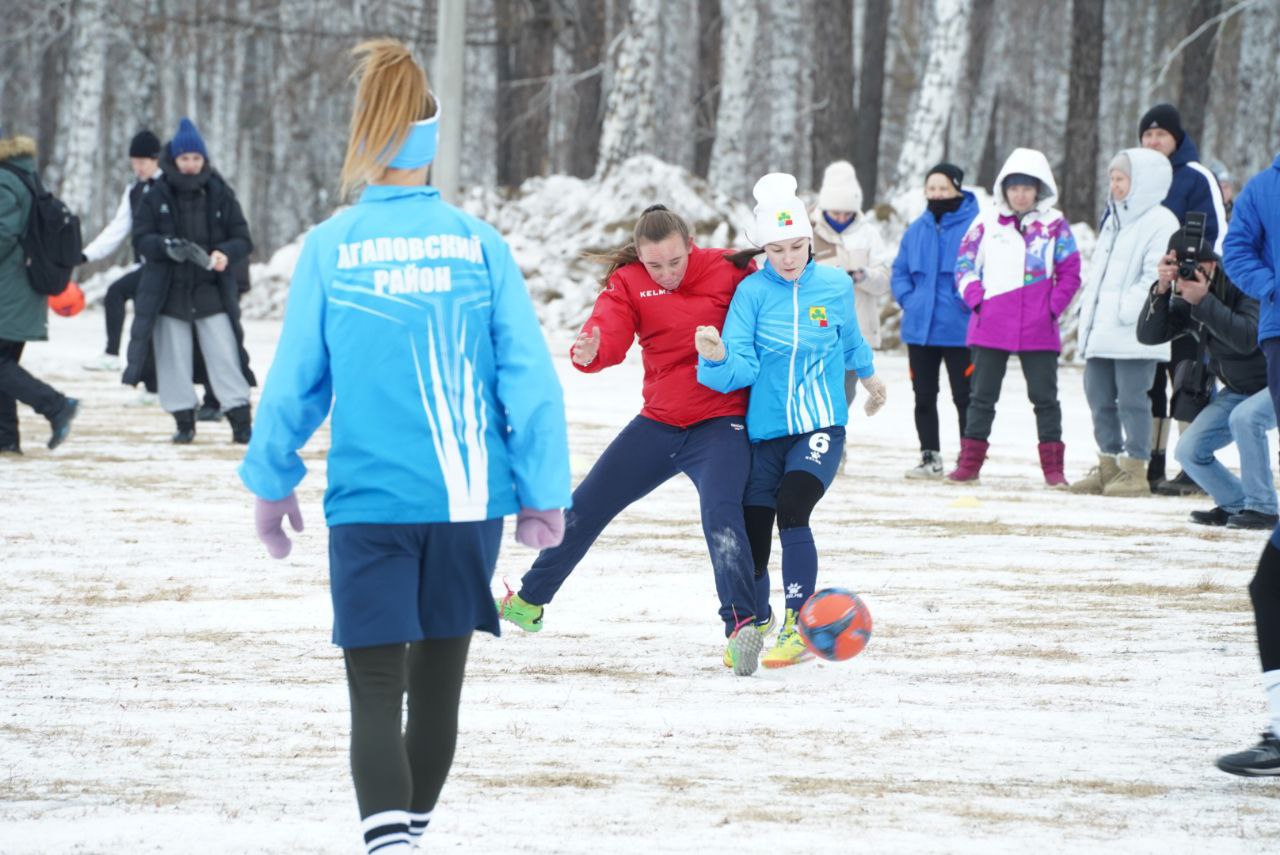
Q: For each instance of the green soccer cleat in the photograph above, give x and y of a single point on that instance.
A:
(511, 608)
(742, 653)
(789, 649)
(762, 629)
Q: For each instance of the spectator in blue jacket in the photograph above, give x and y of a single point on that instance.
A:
(934, 315)
(1194, 188)
(1251, 254)
(409, 319)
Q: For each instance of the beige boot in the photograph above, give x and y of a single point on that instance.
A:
(1131, 479)
(1098, 477)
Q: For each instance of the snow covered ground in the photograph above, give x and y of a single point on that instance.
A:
(1047, 671)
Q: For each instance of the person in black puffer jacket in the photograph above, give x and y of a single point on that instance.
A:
(191, 235)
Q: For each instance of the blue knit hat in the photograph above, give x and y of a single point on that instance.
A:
(187, 140)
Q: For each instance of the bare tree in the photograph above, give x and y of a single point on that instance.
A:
(588, 58)
(925, 138)
(526, 39)
(707, 98)
(728, 171)
(1080, 180)
(866, 148)
(1197, 65)
(833, 118)
(76, 159)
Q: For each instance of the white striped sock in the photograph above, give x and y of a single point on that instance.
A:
(418, 823)
(387, 832)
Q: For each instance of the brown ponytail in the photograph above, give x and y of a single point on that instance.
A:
(391, 95)
(656, 224)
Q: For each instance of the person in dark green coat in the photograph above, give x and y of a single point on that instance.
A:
(24, 314)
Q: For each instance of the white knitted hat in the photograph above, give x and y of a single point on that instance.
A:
(780, 215)
(840, 188)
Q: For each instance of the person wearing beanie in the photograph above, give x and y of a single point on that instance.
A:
(934, 316)
(190, 234)
(1017, 269)
(144, 161)
(790, 335)
(1117, 375)
(446, 417)
(24, 313)
(1193, 188)
(1251, 255)
(845, 237)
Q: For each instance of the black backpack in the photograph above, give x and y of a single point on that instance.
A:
(51, 242)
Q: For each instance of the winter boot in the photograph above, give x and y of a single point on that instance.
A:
(241, 424)
(1182, 485)
(930, 467)
(1051, 455)
(1098, 477)
(972, 454)
(1132, 479)
(60, 422)
(186, 433)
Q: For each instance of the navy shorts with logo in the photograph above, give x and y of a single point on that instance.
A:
(394, 583)
(816, 452)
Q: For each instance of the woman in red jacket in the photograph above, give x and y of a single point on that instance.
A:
(661, 287)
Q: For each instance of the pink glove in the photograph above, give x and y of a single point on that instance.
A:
(539, 529)
(267, 519)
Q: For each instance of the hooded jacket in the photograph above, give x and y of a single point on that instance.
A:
(1018, 274)
(1194, 188)
(1131, 241)
(632, 305)
(859, 246)
(924, 278)
(792, 344)
(1251, 250)
(409, 319)
(24, 314)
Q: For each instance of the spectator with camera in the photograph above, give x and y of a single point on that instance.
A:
(1193, 297)
(1193, 188)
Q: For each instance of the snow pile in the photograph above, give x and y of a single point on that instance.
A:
(269, 282)
(552, 221)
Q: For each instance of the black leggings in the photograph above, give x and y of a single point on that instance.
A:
(394, 770)
(925, 363)
(798, 495)
(1264, 591)
(120, 292)
(1183, 347)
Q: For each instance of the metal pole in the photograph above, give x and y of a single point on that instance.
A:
(451, 36)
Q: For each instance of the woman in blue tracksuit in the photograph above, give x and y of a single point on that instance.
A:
(935, 318)
(410, 320)
(791, 333)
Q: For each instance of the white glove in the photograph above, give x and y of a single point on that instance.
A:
(877, 394)
(707, 341)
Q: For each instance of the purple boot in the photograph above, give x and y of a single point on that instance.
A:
(1051, 454)
(972, 454)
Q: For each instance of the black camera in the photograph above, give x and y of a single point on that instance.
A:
(1189, 248)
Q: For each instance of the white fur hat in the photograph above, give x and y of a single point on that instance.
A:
(780, 215)
(840, 188)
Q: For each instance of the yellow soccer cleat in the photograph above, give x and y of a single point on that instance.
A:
(789, 649)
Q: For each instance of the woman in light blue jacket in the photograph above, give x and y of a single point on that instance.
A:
(791, 333)
(410, 321)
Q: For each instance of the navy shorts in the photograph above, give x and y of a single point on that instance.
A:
(817, 453)
(406, 582)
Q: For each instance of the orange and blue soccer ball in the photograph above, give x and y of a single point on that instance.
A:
(834, 624)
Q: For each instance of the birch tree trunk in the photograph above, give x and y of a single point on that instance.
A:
(923, 142)
(707, 97)
(789, 83)
(630, 116)
(1253, 145)
(1080, 179)
(76, 160)
(588, 57)
(1197, 65)
(728, 171)
(676, 82)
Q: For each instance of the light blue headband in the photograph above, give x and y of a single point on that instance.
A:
(419, 147)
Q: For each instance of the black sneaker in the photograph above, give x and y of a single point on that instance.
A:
(1259, 761)
(1217, 516)
(1179, 486)
(11, 449)
(1252, 519)
(60, 422)
(207, 413)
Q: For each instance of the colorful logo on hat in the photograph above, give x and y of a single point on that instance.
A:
(818, 315)
(784, 218)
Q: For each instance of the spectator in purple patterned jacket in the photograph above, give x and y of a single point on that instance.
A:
(1018, 269)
